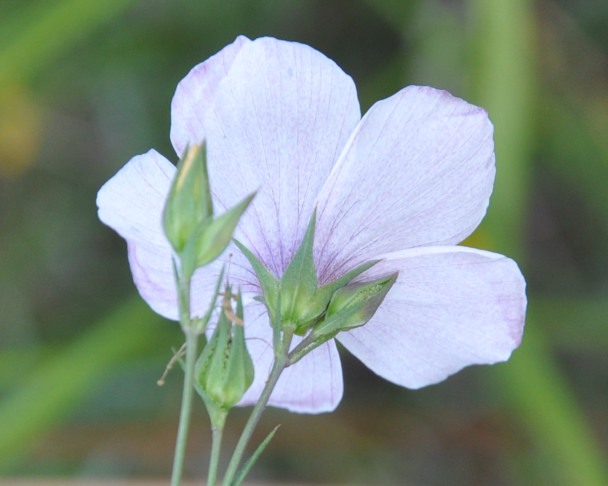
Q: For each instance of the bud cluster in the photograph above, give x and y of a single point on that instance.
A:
(318, 312)
(224, 370)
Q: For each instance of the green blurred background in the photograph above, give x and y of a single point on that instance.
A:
(85, 85)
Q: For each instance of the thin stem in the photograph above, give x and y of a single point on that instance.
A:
(183, 283)
(278, 366)
(217, 433)
(310, 342)
(184, 416)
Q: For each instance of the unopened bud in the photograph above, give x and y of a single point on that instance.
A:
(189, 201)
(188, 220)
(353, 305)
(225, 368)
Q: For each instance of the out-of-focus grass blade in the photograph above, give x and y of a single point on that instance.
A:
(505, 85)
(42, 31)
(50, 392)
(19, 361)
(573, 137)
(550, 412)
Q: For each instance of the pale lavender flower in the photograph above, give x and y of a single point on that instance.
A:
(405, 183)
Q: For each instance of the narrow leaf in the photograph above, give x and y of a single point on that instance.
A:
(254, 457)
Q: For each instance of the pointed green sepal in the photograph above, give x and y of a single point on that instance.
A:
(352, 306)
(269, 284)
(299, 284)
(189, 201)
(347, 277)
(212, 238)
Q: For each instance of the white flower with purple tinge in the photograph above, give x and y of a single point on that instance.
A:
(403, 184)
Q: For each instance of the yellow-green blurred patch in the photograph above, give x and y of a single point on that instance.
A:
(478, 239)
(21, 126)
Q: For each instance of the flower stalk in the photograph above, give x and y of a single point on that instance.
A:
(188, 389)
(217, 434)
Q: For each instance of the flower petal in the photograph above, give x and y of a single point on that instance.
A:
(132, 200)
(451, 307)
(132, 204)
(194, 95)
(418, 171)
(279, 120)
(312, 385)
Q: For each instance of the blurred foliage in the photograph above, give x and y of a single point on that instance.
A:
(86, 85)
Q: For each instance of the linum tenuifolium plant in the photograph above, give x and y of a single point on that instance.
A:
(291, 222)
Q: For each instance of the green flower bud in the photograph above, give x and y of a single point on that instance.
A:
(225, 369)
(353, 305)
(189, 202)
(188, 220)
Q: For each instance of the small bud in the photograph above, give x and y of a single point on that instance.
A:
(225, 368)
(189, 201)
(353, 305)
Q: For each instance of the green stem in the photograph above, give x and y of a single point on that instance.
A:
(184, 416)
(308, 344)
(183, 283)
(217, 433)
(278, 366)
